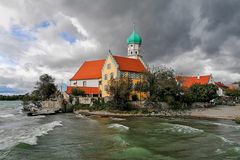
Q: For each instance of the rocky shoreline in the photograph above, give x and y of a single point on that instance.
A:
(219, 112)
(48, 107)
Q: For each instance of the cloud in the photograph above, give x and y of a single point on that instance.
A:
(55, 37)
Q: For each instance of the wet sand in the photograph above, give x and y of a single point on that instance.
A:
(218, 112)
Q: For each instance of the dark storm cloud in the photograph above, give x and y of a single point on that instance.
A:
(223, 22)
(192, 36)
(164, 25)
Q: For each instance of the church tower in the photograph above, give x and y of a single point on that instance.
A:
(134, 45)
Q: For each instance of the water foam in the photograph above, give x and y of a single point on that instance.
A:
(226, 125)
(178, 128)
(28, 136)
(118, 119)
(226, 140)
(118, 126)
(6, 115)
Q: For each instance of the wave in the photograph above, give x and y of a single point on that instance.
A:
(119, 140)
(226, 140)
(6, 115)
(118, 119)
(178, 128)
(28, 136)
(226, 125)
(118, 126)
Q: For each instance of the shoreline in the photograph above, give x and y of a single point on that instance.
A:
(215, 113)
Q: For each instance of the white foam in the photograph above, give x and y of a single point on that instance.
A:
(178, 128)
(28, 136)
(226, 125)
(118, 126)
(80, 116)
(118, 119)
(6, 115)
(226, 140)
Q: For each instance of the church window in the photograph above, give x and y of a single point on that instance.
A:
(109, 66)
(111, 75)
(133, 75)
(105, 77)
(122, 74)
(106, 87)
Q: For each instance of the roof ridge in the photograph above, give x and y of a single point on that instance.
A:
(193, 75)
(94, 60)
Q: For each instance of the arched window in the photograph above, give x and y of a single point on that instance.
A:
(84, 83)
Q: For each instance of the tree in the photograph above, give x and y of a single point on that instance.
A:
(120, 91)
(203, 92)
(233, 92)
(160, 84)
(45, 87)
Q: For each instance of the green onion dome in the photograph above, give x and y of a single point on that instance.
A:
(134, 38)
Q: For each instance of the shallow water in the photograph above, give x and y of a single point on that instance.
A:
(67, 136)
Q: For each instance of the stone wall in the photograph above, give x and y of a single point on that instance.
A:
(52, 104)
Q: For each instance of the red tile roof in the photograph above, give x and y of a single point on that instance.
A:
(87, 90)
(89, 70)
(188, 81)
(221, 85)
(129, 64)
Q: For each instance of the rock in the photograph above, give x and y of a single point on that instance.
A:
(237, 120)
(45, 107)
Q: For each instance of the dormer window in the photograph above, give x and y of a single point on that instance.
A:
(109, 66)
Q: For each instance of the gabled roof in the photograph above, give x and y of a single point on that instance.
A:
(221, 85)
(129, 64)
(87, 90)
(89, 70)
(188, 81)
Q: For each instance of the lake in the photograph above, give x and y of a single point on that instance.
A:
(67, 136)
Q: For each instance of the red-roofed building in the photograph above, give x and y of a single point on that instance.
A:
(188, 81)
(93, 76)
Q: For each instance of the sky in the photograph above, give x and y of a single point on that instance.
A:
(56, 36)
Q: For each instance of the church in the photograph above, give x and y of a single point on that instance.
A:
(93, 76)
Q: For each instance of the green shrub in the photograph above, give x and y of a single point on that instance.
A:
(134, 97)
(203, 92)
(77, 92)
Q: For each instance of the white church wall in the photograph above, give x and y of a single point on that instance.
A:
(89, 83)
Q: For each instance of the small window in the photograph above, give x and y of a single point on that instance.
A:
(122, 74)
(136, 52)
(106, 87)
(134, 75)
(100, 82)
(131, 45)
(84, 83)
(105, 77)
(109, 66)
(111, 75)
(131, 52)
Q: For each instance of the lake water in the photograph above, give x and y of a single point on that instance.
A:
(67, 136)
